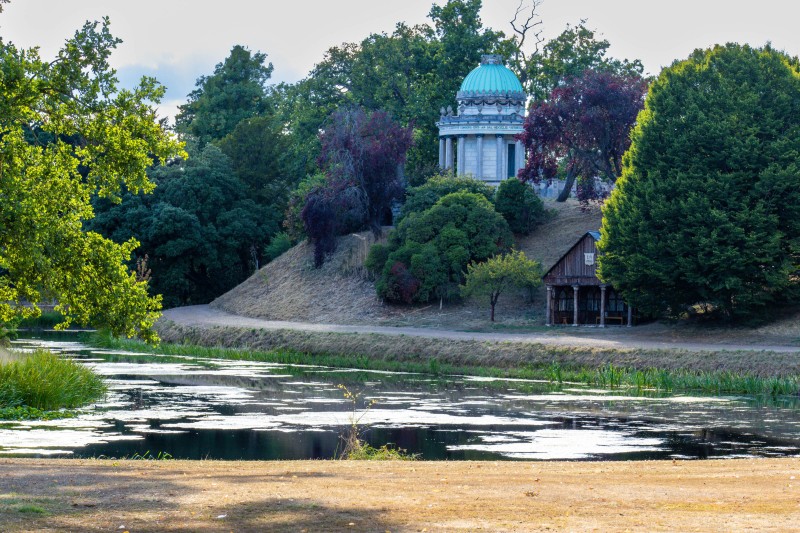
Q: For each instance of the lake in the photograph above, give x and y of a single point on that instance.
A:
(192, 408)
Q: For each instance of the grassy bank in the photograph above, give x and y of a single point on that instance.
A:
(556, 365)
(35, 385)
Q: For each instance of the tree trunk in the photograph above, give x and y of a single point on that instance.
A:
(564, 194)
(493, 311)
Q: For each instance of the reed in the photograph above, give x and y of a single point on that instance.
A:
(46, 382)
(608, 375)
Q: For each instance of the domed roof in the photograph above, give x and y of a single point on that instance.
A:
(491, 77)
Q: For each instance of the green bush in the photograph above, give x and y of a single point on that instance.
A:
(47, 382)
(520, 205)
(419, 199)
(428, 252)
(279, 244)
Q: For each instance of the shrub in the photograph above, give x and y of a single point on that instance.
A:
(520, 205)
(419, 199)
(428, 252)
(280, 243)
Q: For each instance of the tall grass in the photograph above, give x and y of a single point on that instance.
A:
(43, 381)
(607, 376)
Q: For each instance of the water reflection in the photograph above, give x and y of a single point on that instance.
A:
(217, 409)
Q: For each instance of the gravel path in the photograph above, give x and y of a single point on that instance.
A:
(205, 316)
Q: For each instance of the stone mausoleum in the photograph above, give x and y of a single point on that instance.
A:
(478, 138)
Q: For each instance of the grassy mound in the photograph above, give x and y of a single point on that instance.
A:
(45, 382)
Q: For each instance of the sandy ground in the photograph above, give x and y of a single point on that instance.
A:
(616, 338)
(144, 496)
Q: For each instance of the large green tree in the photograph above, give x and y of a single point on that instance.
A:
(68, 134)
(235, 91)
(707, 210)
(200, 231)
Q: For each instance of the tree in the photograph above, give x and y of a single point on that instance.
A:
(493, 277)
(566, 57)
(336, 208)
(47, 182)
(367, 150)
(586, 124)
(259, 154)
(708, 207)
(234, 92)
(201, 231)
(519, 204)
(426, 255)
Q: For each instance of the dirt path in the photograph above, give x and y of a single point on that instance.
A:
(150, 496)
(205, 316)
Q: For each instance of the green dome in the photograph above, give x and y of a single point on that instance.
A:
(491, 77)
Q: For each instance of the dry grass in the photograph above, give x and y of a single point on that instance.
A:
(397, 496)
(476, 353)
(290, 288)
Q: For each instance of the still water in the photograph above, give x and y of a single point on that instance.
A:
(194, 408)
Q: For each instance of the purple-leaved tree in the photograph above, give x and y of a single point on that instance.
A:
(584, 124)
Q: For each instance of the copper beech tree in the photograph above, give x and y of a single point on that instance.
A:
(583, 126)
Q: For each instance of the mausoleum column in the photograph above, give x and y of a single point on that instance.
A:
(448, 150)
(479, 170)
(462, 153)
(441, 152)
(519, 153)
(499, 175)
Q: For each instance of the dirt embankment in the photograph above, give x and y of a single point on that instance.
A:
(290, 288)
(456, 348)
(156, 496)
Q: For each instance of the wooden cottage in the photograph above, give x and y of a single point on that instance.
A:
(575, 296)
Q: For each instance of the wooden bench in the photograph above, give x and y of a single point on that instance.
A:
(618, 319)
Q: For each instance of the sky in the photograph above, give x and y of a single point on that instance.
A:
(178, 41)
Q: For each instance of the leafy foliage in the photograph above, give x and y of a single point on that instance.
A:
(200, 230)
(520, 205)
(494, 276)
(234, 92)
(410, 73)
(259, 153)
(423, 197)
(708, 207)
(68, 134)
(336, 208)
(585, 122)
(367, 149)
(567, 56)
(427, 254)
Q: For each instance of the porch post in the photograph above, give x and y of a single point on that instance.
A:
(575, 305)
(630, 316)
(602, 306)
(549, 304)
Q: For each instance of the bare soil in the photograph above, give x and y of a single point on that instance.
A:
(150, 496)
